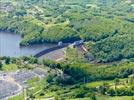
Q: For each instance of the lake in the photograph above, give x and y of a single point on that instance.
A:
(9, 46)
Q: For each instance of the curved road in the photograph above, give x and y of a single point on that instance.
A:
(50, 50)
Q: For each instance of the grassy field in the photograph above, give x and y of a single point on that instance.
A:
(98, 83)
(19, 97)
(108, 98)
(10, 67)
(115, 98)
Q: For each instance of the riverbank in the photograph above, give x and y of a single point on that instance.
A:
(9, 46)
(10, 41)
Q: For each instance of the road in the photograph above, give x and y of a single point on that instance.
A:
(50, 50)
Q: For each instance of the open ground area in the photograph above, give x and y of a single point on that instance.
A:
(66, 49)
(13, 83)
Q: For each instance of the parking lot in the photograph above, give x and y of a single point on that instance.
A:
(14, 82)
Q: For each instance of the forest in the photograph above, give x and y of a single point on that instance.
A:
(105, 26)
(103, 22)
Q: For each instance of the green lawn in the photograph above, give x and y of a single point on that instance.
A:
(108, 98)
(115, 98)
(19, 97)
(81, 99)
(10, 67)
(99, 83)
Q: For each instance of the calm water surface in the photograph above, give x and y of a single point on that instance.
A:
(9, 46)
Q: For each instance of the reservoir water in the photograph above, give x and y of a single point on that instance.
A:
(9, 46)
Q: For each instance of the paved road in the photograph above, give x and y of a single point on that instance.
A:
(50, 50)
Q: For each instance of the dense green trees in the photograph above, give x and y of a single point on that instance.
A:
(33, 31)
(114, 48)
(120, 83)
(84, 72)
(67, 21)
(107, 26)
(60, 33)
(1, 64)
